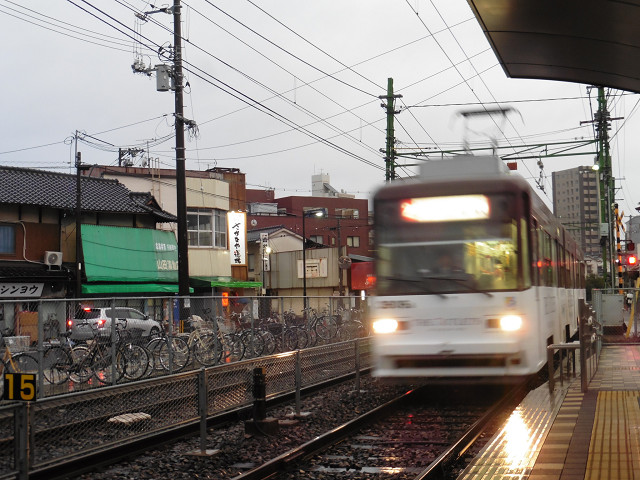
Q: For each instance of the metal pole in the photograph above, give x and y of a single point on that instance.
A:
(304, 261)
(357, 362)
(584, 381)
(298, 380)
(202, 407)
(21, 433)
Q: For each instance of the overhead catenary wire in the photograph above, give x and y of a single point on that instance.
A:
(232, 91)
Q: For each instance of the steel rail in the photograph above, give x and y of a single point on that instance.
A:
(319, 443)
(80, 464)
(458, 449)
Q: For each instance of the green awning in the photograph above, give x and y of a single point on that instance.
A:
(130, 255)
(131, 288)
(227, 282)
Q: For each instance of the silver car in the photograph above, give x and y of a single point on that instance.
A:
(97, 320)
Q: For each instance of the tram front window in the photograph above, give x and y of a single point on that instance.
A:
(473, 257)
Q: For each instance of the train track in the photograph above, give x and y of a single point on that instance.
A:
(413, 437)
(112, 452)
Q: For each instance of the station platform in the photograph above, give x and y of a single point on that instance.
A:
(570, 435)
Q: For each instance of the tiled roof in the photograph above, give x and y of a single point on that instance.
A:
(22, 186)
(253, 235)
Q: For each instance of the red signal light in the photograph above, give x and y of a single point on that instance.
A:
(632, 260)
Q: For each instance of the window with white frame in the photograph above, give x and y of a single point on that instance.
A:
(207, 227)
(353, 241)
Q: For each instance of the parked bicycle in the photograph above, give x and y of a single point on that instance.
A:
(321, 326)
(95, 358)
(18, 362)
(202, 342)
(170, 353)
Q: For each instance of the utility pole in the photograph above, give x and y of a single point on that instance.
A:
(79, 169)
(390, 151)
(606, 189)
(181, 186)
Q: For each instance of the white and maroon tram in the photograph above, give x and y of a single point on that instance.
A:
(474, 275)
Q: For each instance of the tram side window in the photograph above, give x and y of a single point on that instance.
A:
(572, 266)
(545, 260)
(535, 253)
(560, 264)
(525, 254)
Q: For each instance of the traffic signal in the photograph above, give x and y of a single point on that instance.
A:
(628, 259)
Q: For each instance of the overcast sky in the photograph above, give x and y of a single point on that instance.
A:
(282, 89)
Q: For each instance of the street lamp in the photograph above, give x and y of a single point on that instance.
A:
(316, 212)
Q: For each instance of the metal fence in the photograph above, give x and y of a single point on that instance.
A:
(588, 345)
(73, 425)
(37, 330)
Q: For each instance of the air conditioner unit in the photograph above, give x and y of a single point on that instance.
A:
(53, 258)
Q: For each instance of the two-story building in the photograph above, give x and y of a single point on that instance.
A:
(119, 249)
(216, 221)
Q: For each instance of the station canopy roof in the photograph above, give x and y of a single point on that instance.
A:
(594, 42)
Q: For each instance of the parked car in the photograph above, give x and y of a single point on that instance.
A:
(90, 319)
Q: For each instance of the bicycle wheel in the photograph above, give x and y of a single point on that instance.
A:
(326, 327)
(22, 362)
(102, 365)
(232, 348)
(56, 365)
(253, 343)
(290, 340)
(302, 337)
(134, 360)
(180, 354)
(154, 347)
(207, 349)
(80, 371)
(270, 343)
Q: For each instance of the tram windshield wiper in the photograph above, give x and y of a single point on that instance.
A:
(418, 283)
(461, 278)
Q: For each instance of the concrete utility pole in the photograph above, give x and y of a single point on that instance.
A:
(390, 151)
(181, 185)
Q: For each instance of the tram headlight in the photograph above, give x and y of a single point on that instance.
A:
(385, 325)
(511, 323)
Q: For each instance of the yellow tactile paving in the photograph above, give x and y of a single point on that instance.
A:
(543, 439)
(614, 450)
(618, 368)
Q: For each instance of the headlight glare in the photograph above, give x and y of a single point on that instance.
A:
(511, 323)
(385, 325)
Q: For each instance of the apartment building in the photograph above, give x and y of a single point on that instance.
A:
(576, 204)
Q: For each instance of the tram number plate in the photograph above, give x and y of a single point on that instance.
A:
(19, 386)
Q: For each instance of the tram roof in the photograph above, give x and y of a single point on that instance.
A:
(594, 42)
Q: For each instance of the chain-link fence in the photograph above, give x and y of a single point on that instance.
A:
(618, 310)
(77, 345)
(72, 425)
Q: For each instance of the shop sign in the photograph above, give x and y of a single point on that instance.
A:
(237, 222)
(21, 290)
